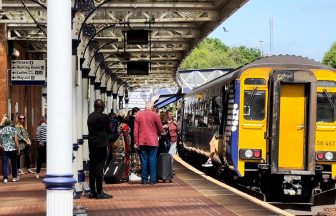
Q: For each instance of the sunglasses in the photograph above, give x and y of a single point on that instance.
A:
(21, 118)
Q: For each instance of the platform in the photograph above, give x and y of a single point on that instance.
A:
(189, 194)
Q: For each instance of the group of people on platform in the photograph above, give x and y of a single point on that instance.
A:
(137, 144)
(138, 137)
(15, 141)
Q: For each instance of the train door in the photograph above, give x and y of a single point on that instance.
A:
(292, 130)
(291, 125)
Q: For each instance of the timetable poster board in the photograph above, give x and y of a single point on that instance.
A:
(28, 72)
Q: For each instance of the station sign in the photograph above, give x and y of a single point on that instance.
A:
(28, 72)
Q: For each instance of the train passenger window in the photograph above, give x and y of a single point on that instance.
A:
(326, 110)
(255, 81)
(188, 119)
(200, 115)
(254, 105)
(205, 112)
(326, 83)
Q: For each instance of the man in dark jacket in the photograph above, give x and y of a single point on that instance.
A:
(99, 125)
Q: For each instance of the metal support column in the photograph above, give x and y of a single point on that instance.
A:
(44, 102)
(80, 141)
(59, 179)
(85, 114)
(109, 101)
(104, 97)
(74, 109)
(115, 102)
(92, 94)
(97, 90)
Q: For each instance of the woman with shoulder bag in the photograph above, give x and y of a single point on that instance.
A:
(173, 128)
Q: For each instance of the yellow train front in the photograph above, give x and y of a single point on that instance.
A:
(326, 128)
(278, 127)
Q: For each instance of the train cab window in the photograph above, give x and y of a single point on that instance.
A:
(326, 83)
(254, 105)
(326, 110)
(255, 81)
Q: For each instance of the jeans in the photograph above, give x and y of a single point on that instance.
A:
(148, 155)
(12, 156)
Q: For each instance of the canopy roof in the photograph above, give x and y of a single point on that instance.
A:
(175, 28)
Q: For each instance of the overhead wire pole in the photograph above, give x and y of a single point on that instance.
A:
(271, 35)
(59, 179)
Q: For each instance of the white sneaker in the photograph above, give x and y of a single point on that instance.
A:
(134, 177)
(5, 181)
(30, 171)
(37, 175)
(21, 172)
(208, 163)
(16, 179)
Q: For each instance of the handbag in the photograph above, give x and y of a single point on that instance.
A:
(164, 142)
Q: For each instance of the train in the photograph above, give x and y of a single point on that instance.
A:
(274, 122)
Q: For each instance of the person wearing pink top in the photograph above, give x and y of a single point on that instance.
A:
(147, 128)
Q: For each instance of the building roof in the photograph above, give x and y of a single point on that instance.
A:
(175, 26)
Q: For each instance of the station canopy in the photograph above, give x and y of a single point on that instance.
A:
(173, 27)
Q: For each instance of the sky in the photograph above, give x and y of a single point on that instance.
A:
(300, 27)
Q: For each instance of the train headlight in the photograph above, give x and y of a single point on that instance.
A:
(320, 156)
(329, 156)
(248, 153)
(326, 156)
(257, 153)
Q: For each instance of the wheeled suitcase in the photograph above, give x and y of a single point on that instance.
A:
(114, 171)
(165, 167)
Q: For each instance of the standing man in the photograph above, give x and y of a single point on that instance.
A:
(99, 125)
(147, 129)
(24, 143)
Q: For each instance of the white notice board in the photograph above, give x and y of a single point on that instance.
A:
(28, 72)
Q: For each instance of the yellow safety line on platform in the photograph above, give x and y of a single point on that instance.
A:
(234, 190)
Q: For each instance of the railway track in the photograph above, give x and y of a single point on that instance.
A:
(255, 197)
(236, 201)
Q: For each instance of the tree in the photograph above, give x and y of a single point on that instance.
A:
(213, 53)
(329, 58)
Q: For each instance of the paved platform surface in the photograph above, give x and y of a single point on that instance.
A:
(189, 194)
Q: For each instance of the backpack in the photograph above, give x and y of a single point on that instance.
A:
(115, 130)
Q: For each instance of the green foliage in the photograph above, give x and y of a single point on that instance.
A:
(213, 53)
(329, 58)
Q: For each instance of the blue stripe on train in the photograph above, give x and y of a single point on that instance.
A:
(235, 127)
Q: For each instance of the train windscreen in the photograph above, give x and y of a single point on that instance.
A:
(254, 105)
(326, 102)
